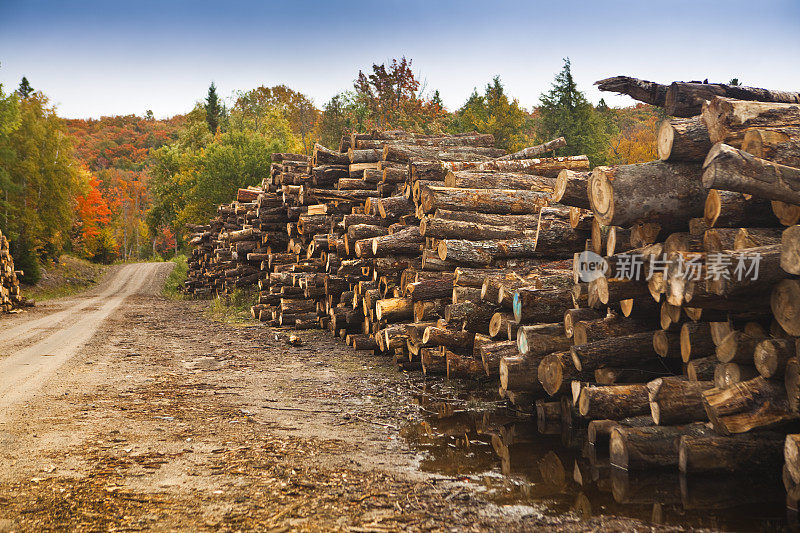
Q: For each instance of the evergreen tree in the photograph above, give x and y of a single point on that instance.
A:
(25, 89)
(495, 113)
(213, 110)
(566, 112)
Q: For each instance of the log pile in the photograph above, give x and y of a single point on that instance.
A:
(11, 298)
(458, 261)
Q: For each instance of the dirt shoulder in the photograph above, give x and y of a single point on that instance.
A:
(167, 420)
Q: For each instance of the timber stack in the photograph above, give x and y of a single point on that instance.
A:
(672, 345)
(11, 298)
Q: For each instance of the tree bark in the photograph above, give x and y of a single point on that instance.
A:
(570, 189)
(556, 373)
(634, 448)
(728, 209)
(613, 402)
(701, 369)
(541, 305)
(696, 341)
(644, 91)
(676, 400)
(780, 145)
(614, 352)
(403, 153)
(497, 201)
(683, 140)
(665, 193)
(477, 179)
(754, 404)
(772, 355)
(785, 303)
(790, 250)
(728, 119)
(608, 327)
(541, 339)
(735, 170)
(535, 151)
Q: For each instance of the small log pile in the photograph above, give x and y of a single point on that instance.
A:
(11, 298)
(459, 261)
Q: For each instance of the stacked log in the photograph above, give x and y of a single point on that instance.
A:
(11, 299)
(457, 262)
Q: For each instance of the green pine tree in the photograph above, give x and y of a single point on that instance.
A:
(213, 110)
(566, 112)
(24, 90)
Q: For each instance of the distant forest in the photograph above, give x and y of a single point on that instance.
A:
(123, 187)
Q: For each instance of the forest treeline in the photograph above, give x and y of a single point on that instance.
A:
(124, 187)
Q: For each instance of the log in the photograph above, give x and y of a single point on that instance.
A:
(570, 189)
(738, 347)
(754, 404)
(790, 250)
(394, 309)
(772, 355)
(573, 316)
(556, 373)
(430, 289)
(728, 209)
(683, 140)
(732, 169)
(696, 341)
(785, 303)
(492, 353)
(613, 402)
(756, 238)
(635, 448)
(676, 400)
(403, 153)
(523, 222)
(541, 339)
(792, 456)
(537, 150)
(728, 374)
(405, 241)
(659, 192)
(498, 201)
(610, 326)
(477, 179)
(461, 340)
(780, 145)
(667, 344)
(520, 373)
(727, 119)
(548, 167)
(644, 91)
(614, 352)
(541, 305)
(749, 452)
(701, 369)
(440, 228)
(791, 380)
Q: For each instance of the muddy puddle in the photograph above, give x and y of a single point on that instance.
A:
(515, 460)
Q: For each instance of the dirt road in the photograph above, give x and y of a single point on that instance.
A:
(123, 410)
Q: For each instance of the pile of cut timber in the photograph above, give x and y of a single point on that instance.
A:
(452, 258)
(11, 298)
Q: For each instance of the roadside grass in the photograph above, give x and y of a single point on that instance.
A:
(70, 276)
(234, 308)
(176, 278)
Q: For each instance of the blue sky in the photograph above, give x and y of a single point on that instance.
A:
(111, 57)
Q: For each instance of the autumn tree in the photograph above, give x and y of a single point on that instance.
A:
(394, 98)
(493, 112)
(24, 90)
(341, 115)
(565, 112)
(212, 109)
(257, 108)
